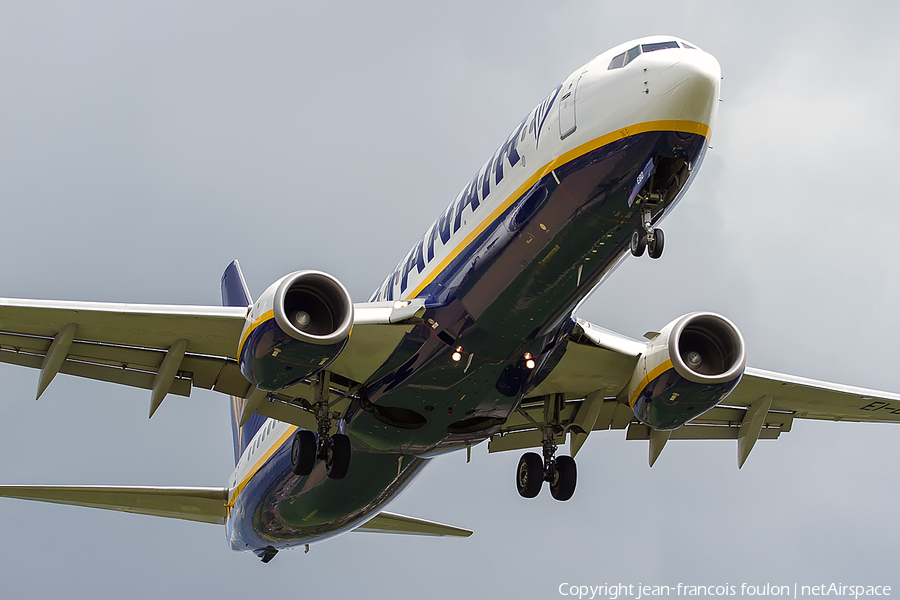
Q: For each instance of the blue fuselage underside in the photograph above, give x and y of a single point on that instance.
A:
(511, 291)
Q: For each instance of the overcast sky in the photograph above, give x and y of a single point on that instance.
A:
(143, 146)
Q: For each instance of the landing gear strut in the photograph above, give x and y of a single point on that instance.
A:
(559, 472)
(334, 450)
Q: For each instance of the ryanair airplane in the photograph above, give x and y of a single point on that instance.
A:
(337, 407)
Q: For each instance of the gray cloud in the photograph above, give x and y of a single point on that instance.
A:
(145, 145)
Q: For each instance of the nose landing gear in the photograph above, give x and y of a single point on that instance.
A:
(647, 237)
(665, 182)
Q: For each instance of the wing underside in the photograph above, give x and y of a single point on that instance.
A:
(582, 394)
(171, 349)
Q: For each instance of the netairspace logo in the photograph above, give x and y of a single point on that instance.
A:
(639, 591)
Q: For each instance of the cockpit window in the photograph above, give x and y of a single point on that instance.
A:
(658, 46)
(632, 54)
(626, 57)
(688, 46)
(617, 63)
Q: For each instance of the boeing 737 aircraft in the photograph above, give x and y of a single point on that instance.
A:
(337, 407)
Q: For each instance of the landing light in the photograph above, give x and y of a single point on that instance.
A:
(457, 356)
(401, 304)
(529, 362)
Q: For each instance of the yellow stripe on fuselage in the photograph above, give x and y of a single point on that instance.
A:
(259, 463)
(647, 379)
(253, 325)
(670, 125)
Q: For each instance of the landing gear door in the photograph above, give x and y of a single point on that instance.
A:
(567, 108)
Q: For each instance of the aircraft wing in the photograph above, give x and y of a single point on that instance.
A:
(169, 348)
(598, 364)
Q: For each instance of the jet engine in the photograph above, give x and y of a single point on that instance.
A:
(687, 369)
(298, 327)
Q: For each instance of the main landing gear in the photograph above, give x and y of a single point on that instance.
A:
(559, 471)
(532, 473)
(333, 450)
(647, 237)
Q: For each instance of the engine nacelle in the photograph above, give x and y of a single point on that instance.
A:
(691, 366)
(296, 329)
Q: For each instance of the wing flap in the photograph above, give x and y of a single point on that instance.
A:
(813, 399)
(126, 343)
(386, 522)
(136, 367)
(763, 406)
(639, 431)
(210, 330)
(598, 359)
(205, 504)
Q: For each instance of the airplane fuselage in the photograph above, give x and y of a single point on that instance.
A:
(547, 218)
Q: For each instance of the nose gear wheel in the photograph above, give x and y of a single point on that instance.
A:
(655, 247)
(638, 242)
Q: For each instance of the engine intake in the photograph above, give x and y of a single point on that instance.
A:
(313, 307)
(691, 366)
(709, 348)
(298, 326)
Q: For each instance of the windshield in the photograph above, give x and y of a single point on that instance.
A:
(623, 59)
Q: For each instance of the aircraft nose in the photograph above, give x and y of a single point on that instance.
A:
(689, 87)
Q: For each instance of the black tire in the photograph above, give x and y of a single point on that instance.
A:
(563, 484)
(338, 461)
(303, 452)
(638, 242)
(530, 475)
(655, 249)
